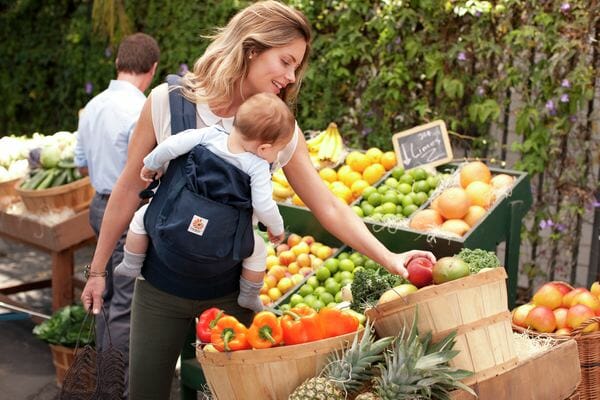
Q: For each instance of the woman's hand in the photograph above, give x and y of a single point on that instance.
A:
(400, 261)
(149, 175)
(91, 297)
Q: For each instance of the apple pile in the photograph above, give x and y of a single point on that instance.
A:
(558, 308)
(289, 263)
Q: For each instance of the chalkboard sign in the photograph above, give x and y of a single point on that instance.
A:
(423, 145)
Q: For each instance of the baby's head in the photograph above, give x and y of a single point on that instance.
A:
(265, 124)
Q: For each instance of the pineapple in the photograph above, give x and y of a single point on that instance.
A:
(417, 369)
(347, 371)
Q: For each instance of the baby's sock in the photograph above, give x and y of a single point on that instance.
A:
(248, 297)
(131, 265)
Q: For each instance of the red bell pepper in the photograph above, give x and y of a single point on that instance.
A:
(337, 322)
(206, 322)
(229, 334)
(301, 325)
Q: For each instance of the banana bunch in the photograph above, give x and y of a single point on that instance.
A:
(327, 148)
(281, 187)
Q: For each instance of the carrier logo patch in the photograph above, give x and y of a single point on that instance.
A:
(197, 225)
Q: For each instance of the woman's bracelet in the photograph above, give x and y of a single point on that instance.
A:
(88, 273)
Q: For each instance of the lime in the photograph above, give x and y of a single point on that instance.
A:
(375, 199)
(347, 265)
(419, 174)
(377, 210)
(319, 290)
(313, 281)
(391, 182)
(332, 288)
(390, 197)
(358, 211)
(408, 210)
(421, 186)
(318, 304)
(338, 297)
(338, 276)
(407, 201)
(357, 258)
(370, 264)
(309, 299)
(285, 307)
(383, 189)
(345, 282)
(397, 172)
(347, 275)
(307, 289)
(404, 188)
(433, 181)
(376, 216)
(406, 178)
(356, 270)
(332, 264)
(327, 297)
(322, 273)
(295, 299)
(366, 208)
(343, 255)
(421, 198)
(388, 208)
(430, 193)
(368, 191)
(303, 304)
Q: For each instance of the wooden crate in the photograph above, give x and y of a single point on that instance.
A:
(75, 195)
(475, 306)
(552, 375)
(267, 374)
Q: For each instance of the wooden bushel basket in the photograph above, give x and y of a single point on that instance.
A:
(75, 195)
(267, 374)
(475, 306)
(62, 358)
(588, 346)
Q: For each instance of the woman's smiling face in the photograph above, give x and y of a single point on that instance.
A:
(273, 69)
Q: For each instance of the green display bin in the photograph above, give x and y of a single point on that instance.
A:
(502, 223)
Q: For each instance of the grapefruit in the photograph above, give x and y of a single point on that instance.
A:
(426, 219)
(474, 214)
(501, 181)
(457, 226)
(480, 194)
(453, 203)
(474, 171)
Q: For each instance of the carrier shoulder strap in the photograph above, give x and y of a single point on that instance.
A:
(183, 111)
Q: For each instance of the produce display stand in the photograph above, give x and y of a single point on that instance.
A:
(552, 375)
(502, 223)
(60, 240)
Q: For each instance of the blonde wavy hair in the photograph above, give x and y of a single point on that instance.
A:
(224, 65)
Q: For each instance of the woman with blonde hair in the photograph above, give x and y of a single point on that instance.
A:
(264, 48)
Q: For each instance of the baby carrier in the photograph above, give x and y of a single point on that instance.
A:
(200, 219)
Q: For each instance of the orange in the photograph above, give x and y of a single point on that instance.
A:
(359, 162)
(388, 160)
(358, 187)
(373, 173)
(344, 193)
(351, 157)
(328, 174)
(480, 194)
(374, 155)
(453, 203)
(474, 171)
(342, 171)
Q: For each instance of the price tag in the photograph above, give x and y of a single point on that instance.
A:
(424, 145)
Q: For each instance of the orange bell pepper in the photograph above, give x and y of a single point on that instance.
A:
(301, 325)
(265, 331)
(229, 334)
(337, 322)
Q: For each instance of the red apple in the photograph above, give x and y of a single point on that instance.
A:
(588, 299)
(286, 257)
(562, 286)
(563, 331)
(578, 314)
(293, 239)
(561, 317)
(300, 248)
(303, 260)
(568, 298)
(308, 239)
(541, 319)
(281, 248)
(519, 314)
(548, 295)
(419, 271)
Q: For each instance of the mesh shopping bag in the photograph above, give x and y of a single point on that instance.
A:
(95, 375)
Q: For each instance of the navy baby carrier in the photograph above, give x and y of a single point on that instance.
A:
(200, 220)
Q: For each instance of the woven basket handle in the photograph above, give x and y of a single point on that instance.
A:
(579, 330)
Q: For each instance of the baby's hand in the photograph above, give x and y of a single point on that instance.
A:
(275, 239)
(149, 175)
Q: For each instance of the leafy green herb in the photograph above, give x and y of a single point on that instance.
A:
(64, 326)
(369, 284)
(479, 259)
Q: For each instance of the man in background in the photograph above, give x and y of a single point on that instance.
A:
(105, 128)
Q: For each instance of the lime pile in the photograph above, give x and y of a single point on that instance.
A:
(398, 196)
(324, 287)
